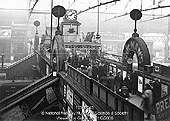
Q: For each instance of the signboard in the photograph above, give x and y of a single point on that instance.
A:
(58, 11)
(54, 73)
(163, 109)
(140, 84)
(124, 74)
(164, 90)
(70, 114)
(36, 23)
(50, 95)
(157, 68)
(69, 95)
(135, 14)
(87, 113)
(114, 68)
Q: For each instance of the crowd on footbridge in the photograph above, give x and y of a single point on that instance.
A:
(114, 81)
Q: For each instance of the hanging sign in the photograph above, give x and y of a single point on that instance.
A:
(50, 95)
(135, 14)
(36, 23)
(58, 11)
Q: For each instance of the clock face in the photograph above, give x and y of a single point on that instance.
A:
(71, 14)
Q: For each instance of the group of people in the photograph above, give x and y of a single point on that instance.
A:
(114, 81)
(98, 70)
(93, 69)
(151, 94)
(129, 85)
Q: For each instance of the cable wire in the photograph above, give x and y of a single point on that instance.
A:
(154, 8)
(155, 18)
(107, 8)
(33, 8)
(116, 17)
(97, 6)
(71, 3)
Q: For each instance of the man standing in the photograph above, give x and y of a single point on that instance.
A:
(89, 70)
(147, 100)
(95, 71)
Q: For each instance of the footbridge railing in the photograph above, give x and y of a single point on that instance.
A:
(122, 107)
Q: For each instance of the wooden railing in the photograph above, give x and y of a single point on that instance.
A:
(80, 77)
(121, 107)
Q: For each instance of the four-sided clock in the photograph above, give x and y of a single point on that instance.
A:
(71, 14)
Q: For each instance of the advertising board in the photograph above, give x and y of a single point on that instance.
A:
(140, 84)
(87, 113)
(162, 109)
(124, 74)
(69, 96)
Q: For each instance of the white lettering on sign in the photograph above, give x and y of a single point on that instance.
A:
(163, 105)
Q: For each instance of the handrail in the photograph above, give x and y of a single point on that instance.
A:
(16, 97)
(44, 57)
(84, 80)
(21, 60)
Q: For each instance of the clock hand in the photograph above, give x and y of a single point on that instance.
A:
(71, 14)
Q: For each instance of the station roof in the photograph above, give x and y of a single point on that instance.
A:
(113, 7)
(114, 16)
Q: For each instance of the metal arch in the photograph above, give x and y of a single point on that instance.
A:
(138, 46)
